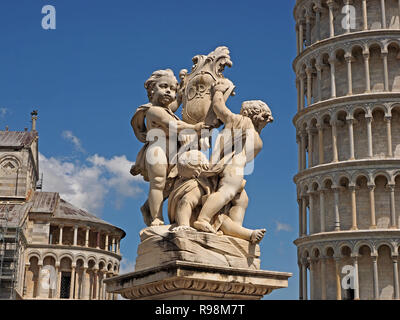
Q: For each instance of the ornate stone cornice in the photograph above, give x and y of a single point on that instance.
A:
(348, 104)
(198, 279)
(347, 41)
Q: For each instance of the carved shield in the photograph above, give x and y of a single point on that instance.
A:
(195, 88)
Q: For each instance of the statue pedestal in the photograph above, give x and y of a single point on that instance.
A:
(191, 265)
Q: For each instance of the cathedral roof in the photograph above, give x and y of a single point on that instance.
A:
(12, 214)
(49, 203)
(17, 139)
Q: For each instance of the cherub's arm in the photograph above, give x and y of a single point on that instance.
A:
(163, 119)
(221, 110)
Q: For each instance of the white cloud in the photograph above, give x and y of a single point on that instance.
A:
(126, 266)
(87, 185)
(3, 112)
(68, 135)
(283, 227)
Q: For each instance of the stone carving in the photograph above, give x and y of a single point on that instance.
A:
(206, 195)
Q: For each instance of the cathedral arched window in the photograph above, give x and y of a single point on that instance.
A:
(9, 165)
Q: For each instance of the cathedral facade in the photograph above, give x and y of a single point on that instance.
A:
(49, 249)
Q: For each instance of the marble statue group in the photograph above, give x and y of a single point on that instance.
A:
(205, 192)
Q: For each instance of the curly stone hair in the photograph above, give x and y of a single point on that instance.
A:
(149, 84)
(256, 110)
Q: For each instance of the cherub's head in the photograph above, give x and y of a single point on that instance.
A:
(259, 113)
(161, 87)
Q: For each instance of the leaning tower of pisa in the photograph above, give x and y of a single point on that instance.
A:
(348, 134)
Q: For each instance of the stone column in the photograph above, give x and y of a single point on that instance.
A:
(369, 135)
(75, 235)
(302, 102)
(396, 277)
(303, 149)
(317, 23)
(320, 143)
(319, 82)
(311, 267)
(336, 208)
(300, 280)
(365, 14)
(393, 224)
(58, 272)
(301, 35)
(334, 141)
(72, 287)
(322, 208)
(118, 246)
(350, 124)
(332, 62)
(399, 8)
(100, 284)
(113, 244)
(106, 242)
(384, 56)
(298, 93)
(388, 121)
(323, 278)
(95, 281)
(376, 280)
(309, 86)
(331, 4)
(25, 279)
(352, 188)
(39, 280)
(349, 59)
(304, 215)
(304, 278)
(356, 278)
(371, 188)
(297, 39)
(98, 240)
(308, 30)
(338, 282)
(300, 205)
(383, 11)
(311, 213)
(87, 237)
(83, 285)
(310, 148)
(61, 234)
(298, 141)
(76, 284)
(366, 71)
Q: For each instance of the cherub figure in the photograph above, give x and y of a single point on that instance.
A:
(157, 114)
(195, 184)
(253, 117)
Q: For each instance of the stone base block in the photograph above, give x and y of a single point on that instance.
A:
(180, 280)
(159, 245)
(192, 265)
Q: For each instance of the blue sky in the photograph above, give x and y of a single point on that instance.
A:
(86, 79)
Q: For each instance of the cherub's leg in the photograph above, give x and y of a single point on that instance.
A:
(157, 176)
(230, 185)
(233, 229)
(239, 206)
(185, 208)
